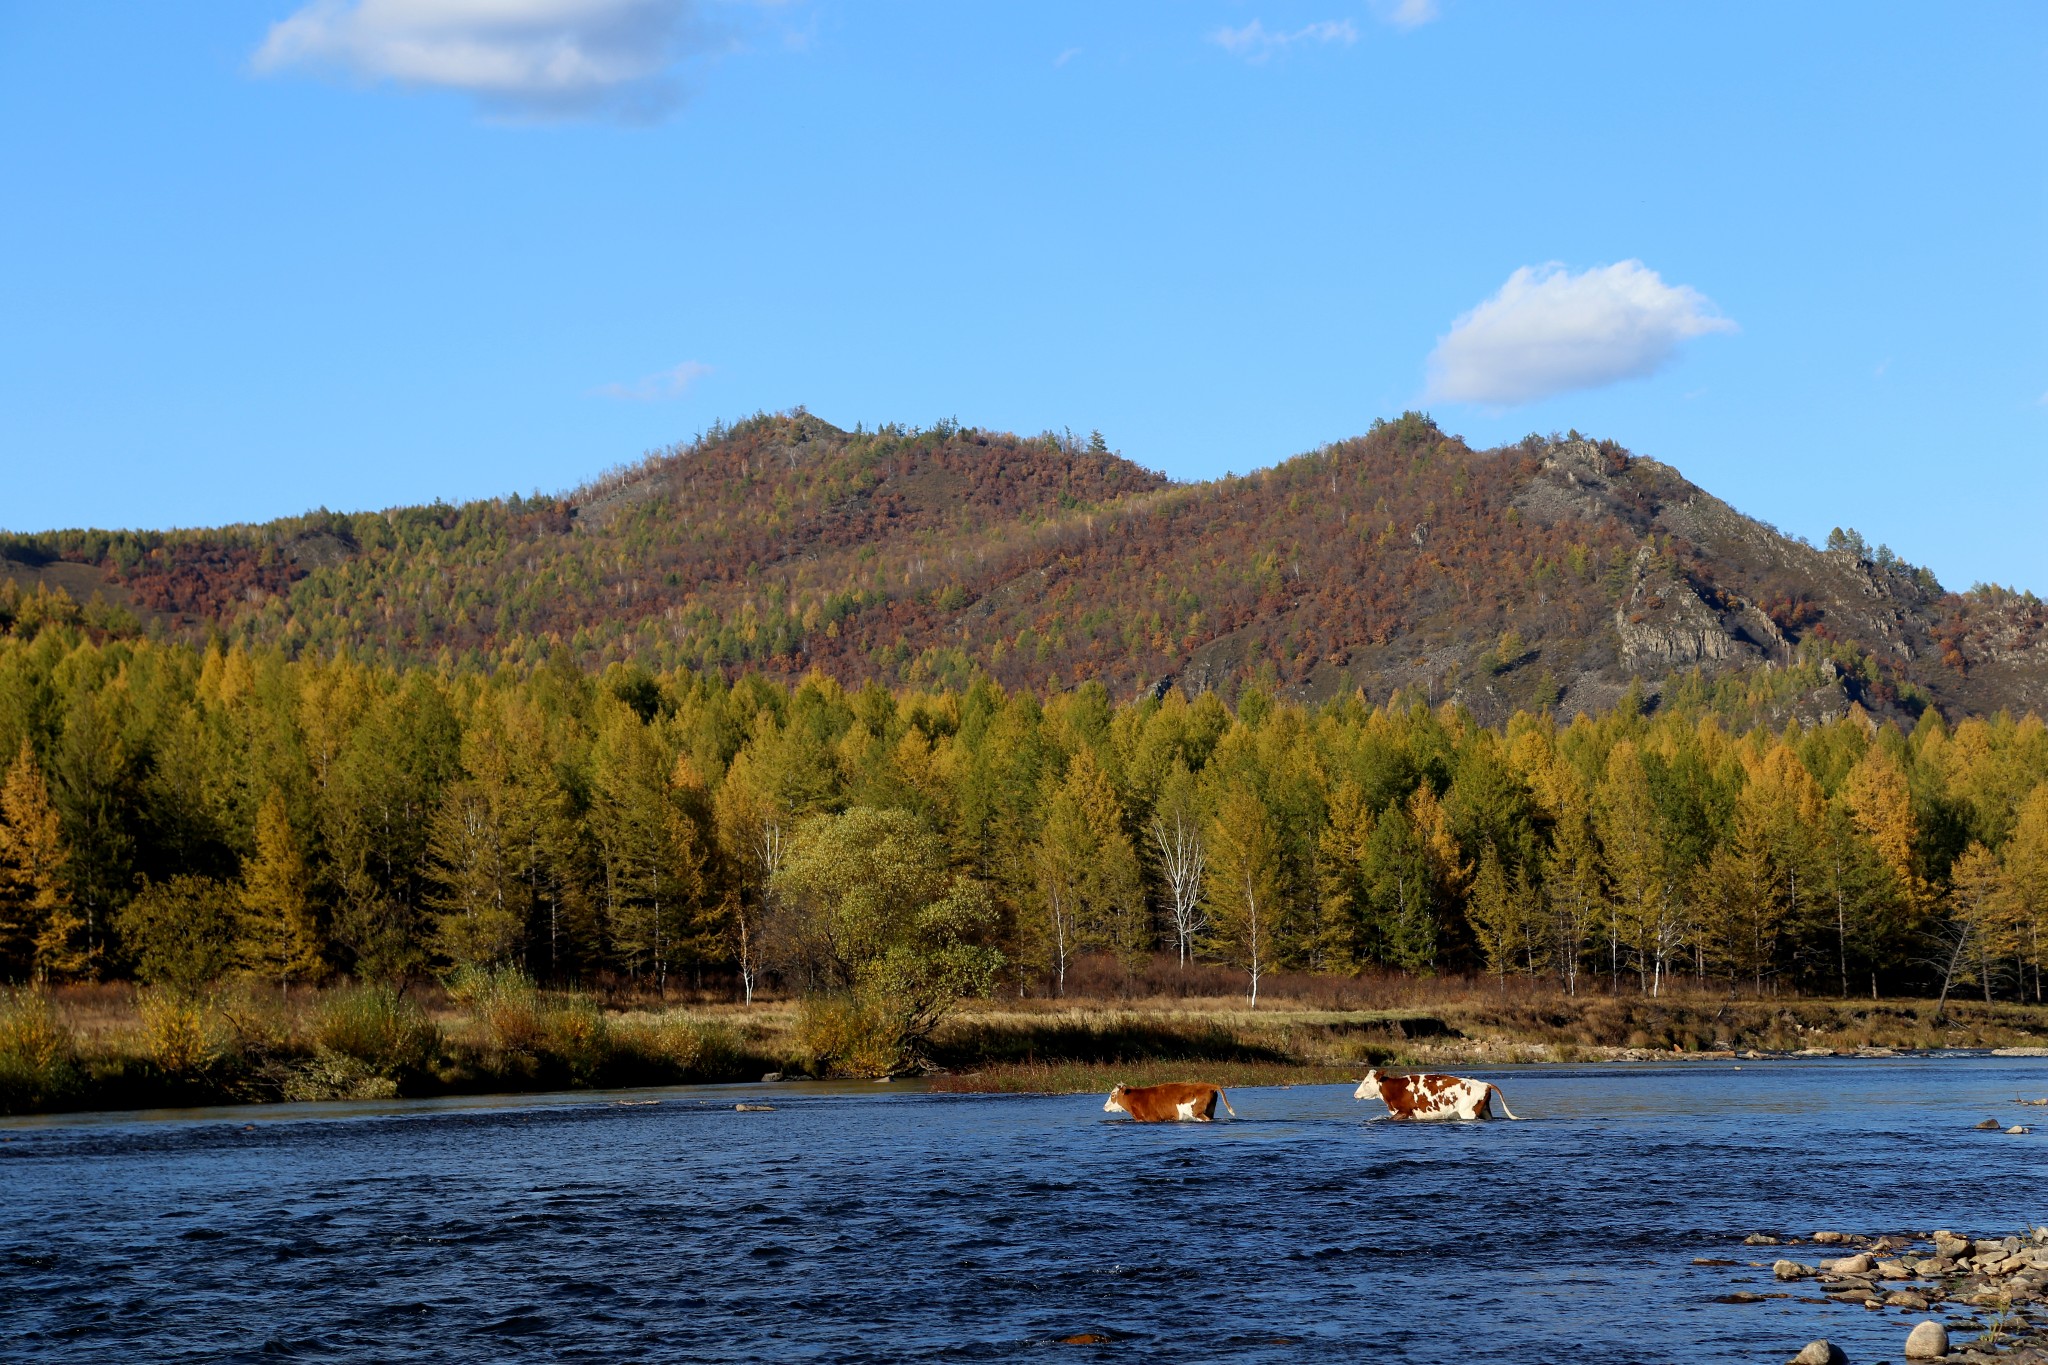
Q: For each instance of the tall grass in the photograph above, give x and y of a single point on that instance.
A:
(38, 1053)
(377, 1028)
(568, 1039)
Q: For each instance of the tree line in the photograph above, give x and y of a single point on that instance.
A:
(177, 814)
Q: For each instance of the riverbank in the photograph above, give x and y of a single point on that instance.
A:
(1967, 1298)
(113, 1047)
(1074, 1046)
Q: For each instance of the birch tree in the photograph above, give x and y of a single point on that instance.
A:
(1177, 837)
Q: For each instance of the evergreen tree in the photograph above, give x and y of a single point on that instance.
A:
(2026, 871)
(1243, 885)
(1090, 894)
(39, 929)
(279, 940)
(1981, 929)
(1506, 917)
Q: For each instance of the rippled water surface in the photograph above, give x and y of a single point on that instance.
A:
(877, 1224)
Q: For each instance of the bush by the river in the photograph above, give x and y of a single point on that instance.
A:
(37, 1065)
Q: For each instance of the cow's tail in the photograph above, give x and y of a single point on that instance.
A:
(1503, 1100)
(1226, 1102)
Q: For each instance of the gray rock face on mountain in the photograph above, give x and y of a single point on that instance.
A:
(1664, 624)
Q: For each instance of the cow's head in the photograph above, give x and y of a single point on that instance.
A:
(1369, 1088)
(1115, 1101)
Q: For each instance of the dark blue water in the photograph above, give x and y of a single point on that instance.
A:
(873, 1224)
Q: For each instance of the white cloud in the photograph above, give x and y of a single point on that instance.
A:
(1405, 14)
(1255, 42)
(530, 58)
(670, 383)
(1549, 331)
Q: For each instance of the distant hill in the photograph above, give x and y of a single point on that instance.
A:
(1550, 573)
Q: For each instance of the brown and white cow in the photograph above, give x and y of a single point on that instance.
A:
(1178, 1100)
(1431, 1097)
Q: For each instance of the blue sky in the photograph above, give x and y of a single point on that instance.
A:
(266, 256)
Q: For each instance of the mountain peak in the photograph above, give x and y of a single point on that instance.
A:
(1550, 573)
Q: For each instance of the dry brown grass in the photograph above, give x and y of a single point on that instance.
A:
(1157, 1022)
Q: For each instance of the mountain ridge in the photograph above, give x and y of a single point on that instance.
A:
(1557, 572)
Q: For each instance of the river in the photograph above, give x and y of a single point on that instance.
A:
(873, 1222)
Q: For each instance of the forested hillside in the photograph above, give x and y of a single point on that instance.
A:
(1550, 574)
(182, 814)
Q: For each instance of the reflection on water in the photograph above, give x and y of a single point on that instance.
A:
(867, 1223)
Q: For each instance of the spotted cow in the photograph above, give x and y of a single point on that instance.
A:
(1431, 1097)
(1167, 1103)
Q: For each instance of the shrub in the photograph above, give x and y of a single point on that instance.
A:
(845, 1035)
(377, 1027)
(506, 1002)
(331, 1076)
(37, 1053)
(182, 1033)
(181, 932)
(566, 1031)
(575, 1034)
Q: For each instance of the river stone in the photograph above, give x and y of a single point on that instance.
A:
(1822, 1352)
(1927, 1341)
(1954, 1248)
(1894, 1270)
(1764, 1239)
(1791, 1270)
(1828, 1239)
(1988, 1126)
(2016, 1128)
(1858, 1264)
(1906, 1298)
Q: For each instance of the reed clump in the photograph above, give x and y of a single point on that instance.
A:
(374, 1032)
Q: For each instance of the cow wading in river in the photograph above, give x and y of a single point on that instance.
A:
(1168, 1103)
(1431, 1097)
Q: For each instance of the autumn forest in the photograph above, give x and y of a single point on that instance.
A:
(179, 814)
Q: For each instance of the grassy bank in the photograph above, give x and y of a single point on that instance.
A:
(114, 1047)
(1067, 1046)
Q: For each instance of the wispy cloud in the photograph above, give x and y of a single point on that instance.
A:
(1257, 43)
(1548, 331)
(532, 59)
(1066, 56)
(673, 382)
(1405, 14)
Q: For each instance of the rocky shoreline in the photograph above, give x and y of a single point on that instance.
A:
(1991, 1292)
